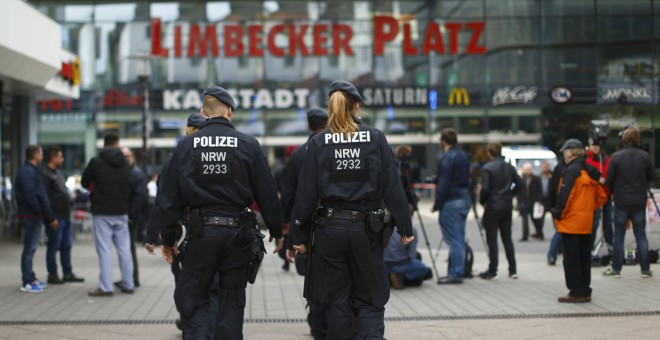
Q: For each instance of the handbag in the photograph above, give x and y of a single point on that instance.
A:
(538, 210)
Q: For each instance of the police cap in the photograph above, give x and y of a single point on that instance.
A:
(196, 120)
(571, 144)
(221, 94)
(340, 85)
(317, 112)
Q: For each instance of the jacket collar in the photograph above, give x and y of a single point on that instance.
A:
(218, 120)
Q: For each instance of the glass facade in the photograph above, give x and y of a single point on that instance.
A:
(517, 71)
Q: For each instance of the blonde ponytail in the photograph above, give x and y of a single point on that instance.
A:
(341, 110)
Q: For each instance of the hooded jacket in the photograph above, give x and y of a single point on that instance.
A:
(107, 177)
(579, 196)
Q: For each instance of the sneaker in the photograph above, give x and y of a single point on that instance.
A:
(647, 274)
(610, 273)
(41, 284)
(488, 276)
(513, 276)
(31, 287)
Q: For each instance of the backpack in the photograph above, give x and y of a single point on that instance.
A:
(469, 261)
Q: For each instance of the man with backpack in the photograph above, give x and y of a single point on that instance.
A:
(499, 183)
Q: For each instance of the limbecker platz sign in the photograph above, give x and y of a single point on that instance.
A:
(254, 40)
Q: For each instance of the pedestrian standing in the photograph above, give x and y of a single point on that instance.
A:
(529, 196)
(348, 173)
(33, 209)
(60, 240)
(107, 177)
(452, 199)
(597, 158)
(137, 201)
(214, 176)
(499, 184)
(628, 176)
(579, 195)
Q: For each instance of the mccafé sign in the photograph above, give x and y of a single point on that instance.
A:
(254, 40)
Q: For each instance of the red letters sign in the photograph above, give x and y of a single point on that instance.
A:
(203, 41)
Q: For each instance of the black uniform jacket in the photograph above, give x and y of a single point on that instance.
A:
(222, 170)
(353, 171)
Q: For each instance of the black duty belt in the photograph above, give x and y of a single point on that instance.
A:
(351, 215)
(221, 221)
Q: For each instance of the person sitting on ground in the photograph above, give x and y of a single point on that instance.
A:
(404, 268)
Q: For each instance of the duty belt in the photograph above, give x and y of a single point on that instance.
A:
(351, 215)
(220, 221)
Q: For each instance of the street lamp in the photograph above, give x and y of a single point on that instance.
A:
(143, 71)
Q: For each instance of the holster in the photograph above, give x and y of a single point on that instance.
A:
(320, 217)
(195, 221)
(379, 227)
(248, 237)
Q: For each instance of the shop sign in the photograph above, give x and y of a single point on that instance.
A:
(254, 40)
(623, 95)
(519, 94)
(561, 94)
(458, 96)
(121, 99)
(70, 71)
(244, 98)
(400, 96)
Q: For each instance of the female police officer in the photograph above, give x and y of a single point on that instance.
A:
(349, 172)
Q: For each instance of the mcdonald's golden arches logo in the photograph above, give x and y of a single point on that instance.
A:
(458, 95)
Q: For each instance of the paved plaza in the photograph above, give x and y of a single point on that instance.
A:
(525, 308)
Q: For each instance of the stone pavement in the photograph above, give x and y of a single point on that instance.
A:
(504, 309)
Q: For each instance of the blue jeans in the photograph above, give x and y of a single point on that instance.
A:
(452, 224)
(60, 240)
(31, 235)
(638, 217)
(413, 270)
(554, 247)
(110, 229)
(606, 213)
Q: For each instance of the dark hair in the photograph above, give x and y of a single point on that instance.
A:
(110, 139)
(52, 152)
(495, 149)
(31, 151)
(448, 135)
(631, 137)
(317, 123)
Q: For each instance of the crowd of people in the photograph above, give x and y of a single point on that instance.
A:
(332, 208)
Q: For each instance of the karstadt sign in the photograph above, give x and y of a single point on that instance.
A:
(244, 98)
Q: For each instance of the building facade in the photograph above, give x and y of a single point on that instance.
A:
(515, 71)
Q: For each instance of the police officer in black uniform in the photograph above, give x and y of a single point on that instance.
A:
(317, 118)
(349, 172)
(214, 175)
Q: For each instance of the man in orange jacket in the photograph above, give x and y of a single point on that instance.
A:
(580, 194)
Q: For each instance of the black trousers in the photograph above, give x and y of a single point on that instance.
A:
(214, 253)
(349, 281)
(132, 226)
(493, 222)
(577, 263)
(538, 224)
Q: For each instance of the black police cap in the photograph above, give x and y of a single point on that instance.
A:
(221, 94)
(340, 85)
(317, 112)
(196, 120)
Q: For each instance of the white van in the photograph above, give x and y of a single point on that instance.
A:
(535, 155)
